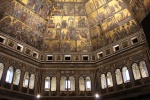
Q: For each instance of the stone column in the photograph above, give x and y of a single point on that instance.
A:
(92, 81)
(50, 86)
(77, 84)
(42, 82)
(147, 59)
(58, 84)
(141, 80)
(28, 83)
(85, 85)
(122, 79)
(21, 78)
(67, 85)
(98, 81)
(12, 79)
(128, 65)
(113, 78)
(6, 66)
(35, 81)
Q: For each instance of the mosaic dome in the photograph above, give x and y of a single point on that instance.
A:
(71, 25)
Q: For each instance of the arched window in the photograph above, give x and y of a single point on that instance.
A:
(88, 83)
(143, 69)
(53, 84)
(1, 70)
(136, 72)
(71, 84)
(16, 79)
(109, 80)
(26, 79)
(32, 80)
(81, 84)
(103, 81)
(68, 84)
(118, 77)
(125, 74)
(63, 83)
(47, 83)
(9, 75)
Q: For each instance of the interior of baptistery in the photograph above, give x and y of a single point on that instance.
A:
(74, 49)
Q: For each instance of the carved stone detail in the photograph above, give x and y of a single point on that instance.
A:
(15, 64)
(3, 59)
(30, 69)
(50, 73)
(84, 72)
(136, 58)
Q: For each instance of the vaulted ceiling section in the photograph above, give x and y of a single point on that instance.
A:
(71, 25)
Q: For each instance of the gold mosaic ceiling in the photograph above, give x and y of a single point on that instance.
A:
(71, 25)
(26, 1)
(70, 0)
